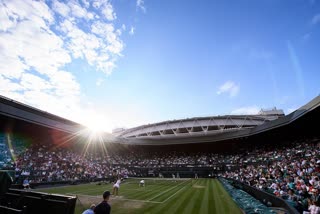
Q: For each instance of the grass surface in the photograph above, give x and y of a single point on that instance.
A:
(157, 197)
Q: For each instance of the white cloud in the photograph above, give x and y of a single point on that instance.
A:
(32, 82)
(99, 82)
(7, 86)
(97, 3)
(140, 4)
(230, 88)
(110, 36)
(106, 9)
(60, 8)
(315, 19)
(77, 10)
(249, 110)
(100, 48)
(36, 46)
(132, 29)
(108, 13)
(86, 3)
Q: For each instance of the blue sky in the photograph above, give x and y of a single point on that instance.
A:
(125, 63)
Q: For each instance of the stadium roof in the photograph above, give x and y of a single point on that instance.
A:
(14, 109)
(198, 125)
(236, 132)
(235, 126)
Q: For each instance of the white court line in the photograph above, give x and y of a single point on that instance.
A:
(145, 201)
(138, 189)
(94, 189)
(64, 186)
(125, 199)
(173, 194)
(89, 190)
(158, 179)
(166, 191)
(54, 187)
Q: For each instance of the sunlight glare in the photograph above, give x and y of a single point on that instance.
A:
(96, 127)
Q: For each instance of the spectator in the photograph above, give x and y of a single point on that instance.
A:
(26, 184)
(103, 207)
(90, 210)
(313, 208)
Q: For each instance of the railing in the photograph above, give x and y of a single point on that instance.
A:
(64, 182)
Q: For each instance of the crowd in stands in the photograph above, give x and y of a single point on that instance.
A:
(58, 165)
(46, 165)
(7, 152)
(291, 171)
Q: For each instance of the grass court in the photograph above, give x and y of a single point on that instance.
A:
(185, 196)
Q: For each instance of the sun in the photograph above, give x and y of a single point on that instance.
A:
(96, 127)
(95, 131)
(96, 124)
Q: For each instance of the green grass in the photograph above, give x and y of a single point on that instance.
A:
(158, 196)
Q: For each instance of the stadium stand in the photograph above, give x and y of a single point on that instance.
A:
(291, 173)
(289, 170)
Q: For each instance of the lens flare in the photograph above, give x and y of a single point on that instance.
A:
(11, 149)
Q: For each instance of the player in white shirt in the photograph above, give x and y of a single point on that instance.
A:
(116, 187)
(141, 184)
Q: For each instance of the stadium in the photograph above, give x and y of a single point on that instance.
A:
(195, 165)
(152, 107)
